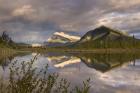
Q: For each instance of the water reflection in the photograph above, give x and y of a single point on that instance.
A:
(109, 72)
(106, 62)
(5, 61)
(100, 62)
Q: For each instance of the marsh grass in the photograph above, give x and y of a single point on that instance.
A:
(27, 79)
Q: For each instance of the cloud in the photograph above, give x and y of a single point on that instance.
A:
(126, 21)
(68, 15)
(124, 3)
(24, 10)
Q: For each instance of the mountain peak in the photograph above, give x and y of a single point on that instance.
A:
(105, 29)
(67, 36)
(102, 26)
(61, 38)
(102, 33)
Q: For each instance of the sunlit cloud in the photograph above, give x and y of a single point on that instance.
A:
(126, 21)
(24, 10)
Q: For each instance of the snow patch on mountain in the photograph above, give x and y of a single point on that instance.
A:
(62, 37)
(70, 37)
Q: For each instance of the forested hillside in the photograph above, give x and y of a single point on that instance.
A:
(104, 37)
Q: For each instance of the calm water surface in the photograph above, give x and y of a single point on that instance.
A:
(109, 73)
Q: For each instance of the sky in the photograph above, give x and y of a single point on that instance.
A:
(35, 21)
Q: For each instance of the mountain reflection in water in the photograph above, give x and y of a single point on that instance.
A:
(100, 62)
(106, 62)
(109, 73)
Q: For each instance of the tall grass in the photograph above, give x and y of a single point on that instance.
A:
(27, 79)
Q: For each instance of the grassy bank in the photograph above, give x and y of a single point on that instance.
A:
(107, 50)
(9, 51)
(6, 52)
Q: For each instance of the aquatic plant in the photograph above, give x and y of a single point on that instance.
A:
(27, 79)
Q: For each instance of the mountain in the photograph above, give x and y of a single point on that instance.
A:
(62, 38)
(105, 37)
(103, 33)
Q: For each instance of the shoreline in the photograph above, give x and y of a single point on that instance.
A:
(9, 51)
(95, 50)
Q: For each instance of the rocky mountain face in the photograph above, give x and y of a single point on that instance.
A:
(105, 37)
(103, 33)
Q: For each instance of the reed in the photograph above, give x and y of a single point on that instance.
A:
(27, 79)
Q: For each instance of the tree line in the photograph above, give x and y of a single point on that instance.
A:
(130, 42)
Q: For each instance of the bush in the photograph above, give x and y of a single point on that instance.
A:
(26, 79)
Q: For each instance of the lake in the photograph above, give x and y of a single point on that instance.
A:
(109, 73)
